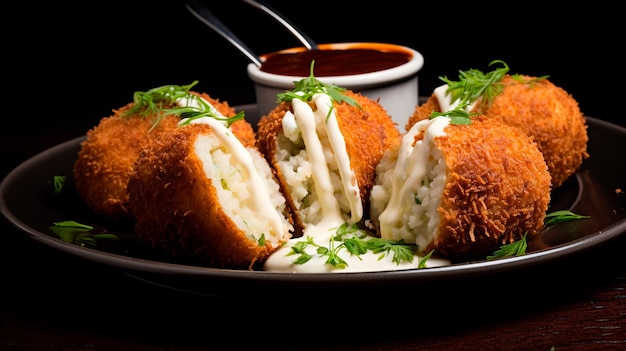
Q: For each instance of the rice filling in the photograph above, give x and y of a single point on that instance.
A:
(248, 194)
(409, 186)
(312, 156)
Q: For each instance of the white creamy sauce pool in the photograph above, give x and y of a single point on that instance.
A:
(322, 233)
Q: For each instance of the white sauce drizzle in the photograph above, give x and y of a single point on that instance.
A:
(338, 144)
(261, 198)
(445, 100)
(306, 118)
(322, 233)
(410, 169)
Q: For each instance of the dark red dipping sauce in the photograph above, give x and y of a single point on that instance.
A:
(341, 62)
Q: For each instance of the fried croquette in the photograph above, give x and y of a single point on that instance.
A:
(106, 156)
(550, 115)
(105, 159)
(461, 190)
(198, 192)
(325, 153)
(543, 110)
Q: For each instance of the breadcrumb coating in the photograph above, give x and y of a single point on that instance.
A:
(178, 210)
(544, 111)
(497, 189)
(101, 170)
(551, 116)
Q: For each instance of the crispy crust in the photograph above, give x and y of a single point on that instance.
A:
(177, 208)
(551, 116)
(268, 128)
(368, 131)
(423, 111)
(106, 156)
(544, 111)
(497, 189)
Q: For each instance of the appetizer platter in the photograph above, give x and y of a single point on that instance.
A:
(327, 189)
(27, 199)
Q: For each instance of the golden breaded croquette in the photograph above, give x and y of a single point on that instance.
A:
(550, 115)
(197, 192)
(543, 110)
(499, 189)
(105, 158)
(365, 130)
(461, 190)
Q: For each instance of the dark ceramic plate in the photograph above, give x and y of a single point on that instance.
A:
(29, 202)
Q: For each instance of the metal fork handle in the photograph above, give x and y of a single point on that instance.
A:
(302, 37)
(207, 17)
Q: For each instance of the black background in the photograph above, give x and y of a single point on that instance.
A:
(68, 65)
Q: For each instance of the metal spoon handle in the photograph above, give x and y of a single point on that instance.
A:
(305, 39)
(207, 17)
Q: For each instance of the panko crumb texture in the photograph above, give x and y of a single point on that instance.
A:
(544, 111)
(105, 158)
(497, 189)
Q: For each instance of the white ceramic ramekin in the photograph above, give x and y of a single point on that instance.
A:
(395, 88)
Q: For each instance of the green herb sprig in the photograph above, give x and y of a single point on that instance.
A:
(424, 260)
(472, 85)
(58, 182)
(159, 101)
(189, 113)
(557, 217)
(518, 247)
(307, 87)
(353, 240)
(80, 234)
(155, 100)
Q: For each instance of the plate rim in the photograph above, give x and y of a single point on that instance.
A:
(141, 265)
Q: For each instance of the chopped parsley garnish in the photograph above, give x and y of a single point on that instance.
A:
(423, 260)
(457, 116)
(58, 182)
(161, 102)
(153, 101)
(561, 216)
(473, 85)
(261, 240)
(224, 184)
(78, 233)
(205, 110)
(402, 252)
(518, 248)
(307, 87)
(350, 238)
